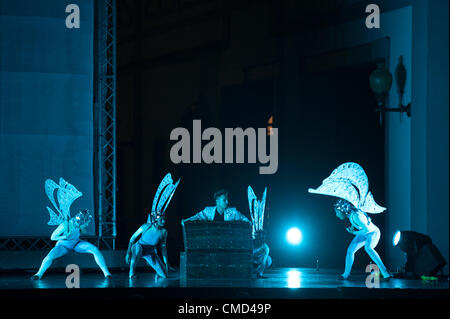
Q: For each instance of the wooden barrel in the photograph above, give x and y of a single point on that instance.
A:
(216, 250)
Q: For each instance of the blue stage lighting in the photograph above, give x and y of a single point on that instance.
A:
(294, 279)
(294, 236)
(422, 256)
(396, 238)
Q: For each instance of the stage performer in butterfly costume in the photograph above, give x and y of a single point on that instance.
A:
(350, 184)
(69, 229)
(261, 258)
(144, 241)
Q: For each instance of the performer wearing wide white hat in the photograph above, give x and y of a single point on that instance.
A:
(350, 184)
(144, 241)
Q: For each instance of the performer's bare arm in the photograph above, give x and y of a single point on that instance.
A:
(361, 222)
(60, 232)
(199, 216)
(241, 217)
(85, 225)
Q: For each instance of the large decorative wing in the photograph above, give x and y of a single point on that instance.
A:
(50, 187)
(66, 194)
(262, 208)
(371, 207)
(354, 173)
(163, 195)
(349, 181)
(340, 188)
(167, 196)
(256, 209)
(55, 219)
(252, 203)
(165, 181)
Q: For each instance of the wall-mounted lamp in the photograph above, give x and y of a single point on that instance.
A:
(380, 81)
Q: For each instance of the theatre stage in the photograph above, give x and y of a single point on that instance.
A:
(279, 283)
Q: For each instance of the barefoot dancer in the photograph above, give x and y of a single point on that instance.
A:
(350, 184)
(153, 233)
(68, 232)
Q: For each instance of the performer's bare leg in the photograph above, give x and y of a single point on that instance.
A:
(371, 243)
(85, 247)
(57, 252)
(354, 246)
(136, 253)
(155, 262)
(264, 263)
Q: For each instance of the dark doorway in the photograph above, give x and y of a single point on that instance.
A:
(334, 123)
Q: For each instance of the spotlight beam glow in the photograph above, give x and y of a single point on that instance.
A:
(294, 236)
(294, 279)
(396, 238)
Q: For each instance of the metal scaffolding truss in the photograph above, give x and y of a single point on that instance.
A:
(32, 243)
(105, 118)
(26, 243)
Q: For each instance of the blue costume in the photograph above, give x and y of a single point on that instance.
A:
(68, 232)
(350, 184)
(152, 233)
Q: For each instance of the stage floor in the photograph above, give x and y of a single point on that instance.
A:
(283, 283)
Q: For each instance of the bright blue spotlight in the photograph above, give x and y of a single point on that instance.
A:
(294, 278)
(294, 236)
(396, 238)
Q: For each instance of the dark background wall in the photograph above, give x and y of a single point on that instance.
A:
(234, 63)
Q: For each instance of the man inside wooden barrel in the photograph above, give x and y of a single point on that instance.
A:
(220, 212)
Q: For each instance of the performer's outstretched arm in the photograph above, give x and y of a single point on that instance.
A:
(199, 216)
(240, 217)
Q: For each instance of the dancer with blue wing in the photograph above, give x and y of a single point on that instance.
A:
(349, 183)
(69, 229)
(144, 241)
(261, 258)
